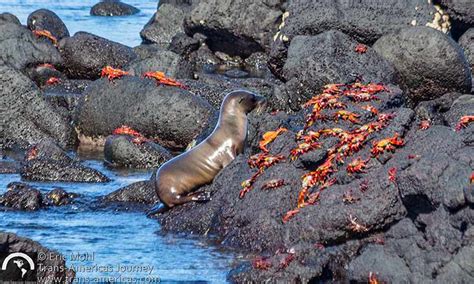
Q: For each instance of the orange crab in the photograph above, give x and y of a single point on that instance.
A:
(332, 88)
(290, 214)
(357, 166)
(112, 73)
(387, 144)
(32, 153)
(126, 130)
(161, 78)
(361, 48)
(272, 184)
(269, 137)
(425, 124)
(47, 65)
(373, 278)
(385, 117)
(310, 137)
(392, 175)
(52, 81)
(261, 263)
(464, 121)
(47, 34)
(312, 117)
(471, 179)
(370, 109)
(247, 184)
(303, 148)
(356, 227)
(346, 115)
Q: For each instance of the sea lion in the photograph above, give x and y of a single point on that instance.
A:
(176, 180)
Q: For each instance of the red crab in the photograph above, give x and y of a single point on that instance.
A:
(387, 144)
(464, 121)
(47, 65)
(52, 81)
(370, 109)
(112, 73)
(361, 48)
(346, 115)
(269, 137)
(46, 34)
(471, 179)
(312, 117)
(161, 78)
(373, 278)
(126, 130)
(290, 214)
(272, 184)
(287, 260)
(261, 263)
(303, 148)
(357, 166)
(392, 174)
(310, 137)
(356, 227)
(32, 153)
(385, 117)
(425, 124)
(247, 184)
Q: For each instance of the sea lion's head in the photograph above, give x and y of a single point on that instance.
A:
(242, 102)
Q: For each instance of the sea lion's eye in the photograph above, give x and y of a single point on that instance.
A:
(241, 99)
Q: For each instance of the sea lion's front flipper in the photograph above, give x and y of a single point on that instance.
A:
(157, 209)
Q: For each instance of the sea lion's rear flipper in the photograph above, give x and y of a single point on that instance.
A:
(157, 209)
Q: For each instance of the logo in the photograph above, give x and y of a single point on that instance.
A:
(17, 266)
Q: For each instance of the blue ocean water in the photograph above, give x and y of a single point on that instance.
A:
(75, 14)
(109, 237)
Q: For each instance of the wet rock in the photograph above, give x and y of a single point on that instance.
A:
(257, 65)
(15, 38)
(230, 27)
(10, 18)
(45, 161)
(113, 8)
(158, 59)
(21, 196)
(166, 22)
(204, 60)
(430, 63)
(314, 61)
(120, 151)
(54, 266)
(86, 54)
(142, 192)
(170, 115)
(44, 19)
(467, 43)
(59, 197)
(26, 116)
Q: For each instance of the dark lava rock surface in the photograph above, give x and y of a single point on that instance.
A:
(86, 54)
(113, 8)
(27, 118)
(142, 192)
(170, 115)
(467, 43)
(430, 64)
(44, 19)
(121, 151)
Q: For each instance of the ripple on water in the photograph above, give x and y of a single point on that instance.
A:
(75, 14)
(116, 237)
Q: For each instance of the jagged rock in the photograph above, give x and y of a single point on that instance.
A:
(21, 196)
(44, 19)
